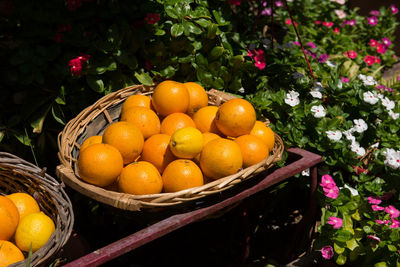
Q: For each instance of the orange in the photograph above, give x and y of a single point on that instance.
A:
(198, 97)
(176, 121)
(100, 164)
(125, 137)
(264, 133)
(25, 203)
(220, 157)
(34, 230)
(156, 151)
(95, 139)
(181, 174)
(140, 178)
(207, 137)
(204, 119)
(9, 253)
(253, 149)
(9, 218)
(144, 118)
(235, 117)
(170, 97)
(136, 101)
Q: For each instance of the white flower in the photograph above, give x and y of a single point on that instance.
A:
(318, 86)
(392, 158)
(334, 135)
(319, 111)
(353, 191)
(340, 13)
(360, 125)
(370, 97)
(292, 98)
(367, 80)
(316, 94)
(362, 77)
(389, 104)
(394, 116)
(355, 147)
(241, 90)
(380, 96)
(330, 63)
(306, 172)
(376, 145)
(340, 84)
(349, 136)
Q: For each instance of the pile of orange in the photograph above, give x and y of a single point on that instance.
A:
(23, 227)
(174, 140)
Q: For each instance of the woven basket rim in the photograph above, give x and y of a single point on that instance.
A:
(67, 142)
(15, 169)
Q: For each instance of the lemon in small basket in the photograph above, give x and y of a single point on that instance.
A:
(186, 143)
(34, 230)
(9, 253)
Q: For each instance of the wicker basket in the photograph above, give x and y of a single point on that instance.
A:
(18, 175)
(94, 119)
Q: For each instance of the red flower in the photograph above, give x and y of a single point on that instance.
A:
(259, 58)
(58, 37)
(152, 18)
(380, 48)
(289, 22)
(235, 2)
(83, 57)
(373, 43)
(317, 22)
(72, 5)
(336, 30)
(371, 60)
(75, 65)
(327, 24)
(350, 54)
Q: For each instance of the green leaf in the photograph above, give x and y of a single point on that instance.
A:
(171, 12)
(176, 30)
(341, 259)
(189, 27)
(23, 138)
(351, 244)
(212, 31)
(343, 235)
(58, 115)
(159, 32)
(112, 66)
(216, 52)
(1, 135)
(168, 72)
(338, 248)
(100, 70)
(144, 78)
(203, 22)
(95, 83)
(392, 248)
(380, 264)
(394, 235)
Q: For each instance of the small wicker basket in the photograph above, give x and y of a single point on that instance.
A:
(18, 175)
(94, 119)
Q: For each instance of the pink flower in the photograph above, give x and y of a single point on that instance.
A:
(317, 22)
(327, 24)
(372, 20)
(322, 58)
(340, 13)
(351, 22)
(75, 66)
(398, 78)
(58, 37)
(392, 211)
(327, 181)
(350, 54)
(311, 44)
(335, 222)
(266, 12)
(336, 30)
(395, 223)
(374, 238)
(375, 13)
(72, 5)
(311, 54)
(377, 208)
(380, 48)
(386, 41)
(278, 3)
(235, 2)
(298, 43)
(374, 200)
(371, 60)
(380, 222)
(373, 43)
(259, 58)
(288, 22)
(327, 252)
(331, 192)
(394, 9)
(152, 18)
(344, 79)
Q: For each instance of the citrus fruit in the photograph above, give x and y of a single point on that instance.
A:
(198, 97)
(170, 97)
(9, 253)
(140, 178)
(34, 229)
(186, 143)
(125, 137)
(100, 164)
(207, 137)
(235, 117)
(136, 101)
(264, 133)
(145, 119)
(95, 139)
(176, 121)
(220, 157)
(156, 151)
(181, 174)
(253, 149)
(9, 218)
(204, 119)
(25, 203)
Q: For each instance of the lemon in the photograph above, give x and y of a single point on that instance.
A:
(36, 229)
(186, 142)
